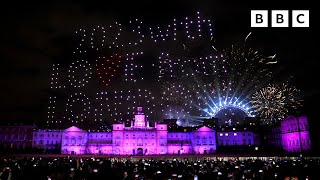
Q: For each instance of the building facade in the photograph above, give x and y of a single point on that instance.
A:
(237, 138)
(47, 139)
(16, 137)
(290, 135)
(295, 134)
(138, 139)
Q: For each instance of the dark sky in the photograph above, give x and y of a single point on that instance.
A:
(33, 36)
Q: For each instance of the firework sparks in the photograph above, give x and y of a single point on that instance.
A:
(273, 102)
(247, 36)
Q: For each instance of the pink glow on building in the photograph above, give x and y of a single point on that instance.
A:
(295, 134)
(74, 141)
(139, 138)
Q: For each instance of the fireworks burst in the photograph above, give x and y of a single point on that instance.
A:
(273, 102)
(247, 69)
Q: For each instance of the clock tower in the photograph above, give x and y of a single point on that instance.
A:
(140, 119)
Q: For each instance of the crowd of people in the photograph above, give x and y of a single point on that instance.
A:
(77, 168)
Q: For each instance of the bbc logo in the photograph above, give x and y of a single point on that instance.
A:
(280, 18)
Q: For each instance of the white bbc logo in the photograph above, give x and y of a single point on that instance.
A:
(280, 18)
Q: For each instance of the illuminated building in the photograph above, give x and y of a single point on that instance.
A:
(291, 135)
(139, 138)
(295, 134)
(16, 136)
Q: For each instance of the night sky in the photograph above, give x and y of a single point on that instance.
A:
(36, 35)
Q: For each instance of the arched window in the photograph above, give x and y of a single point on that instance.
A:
(140, 143)
(73, 141)
(204, 140)
(66, 140)
(161, 141)
(117, 141)
(198, 139)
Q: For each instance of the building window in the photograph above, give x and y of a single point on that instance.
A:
(66, 141)
(204, 140)
(117, 141)
(73, 141)
(161, 141)
(210, 140)
(140, 142)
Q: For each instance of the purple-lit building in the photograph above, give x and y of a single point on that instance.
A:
(237, 138)
(47, 139)
(139, 138)
(16, 136)
(295, 134)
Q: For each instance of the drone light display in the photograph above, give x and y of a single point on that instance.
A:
(186, 76)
